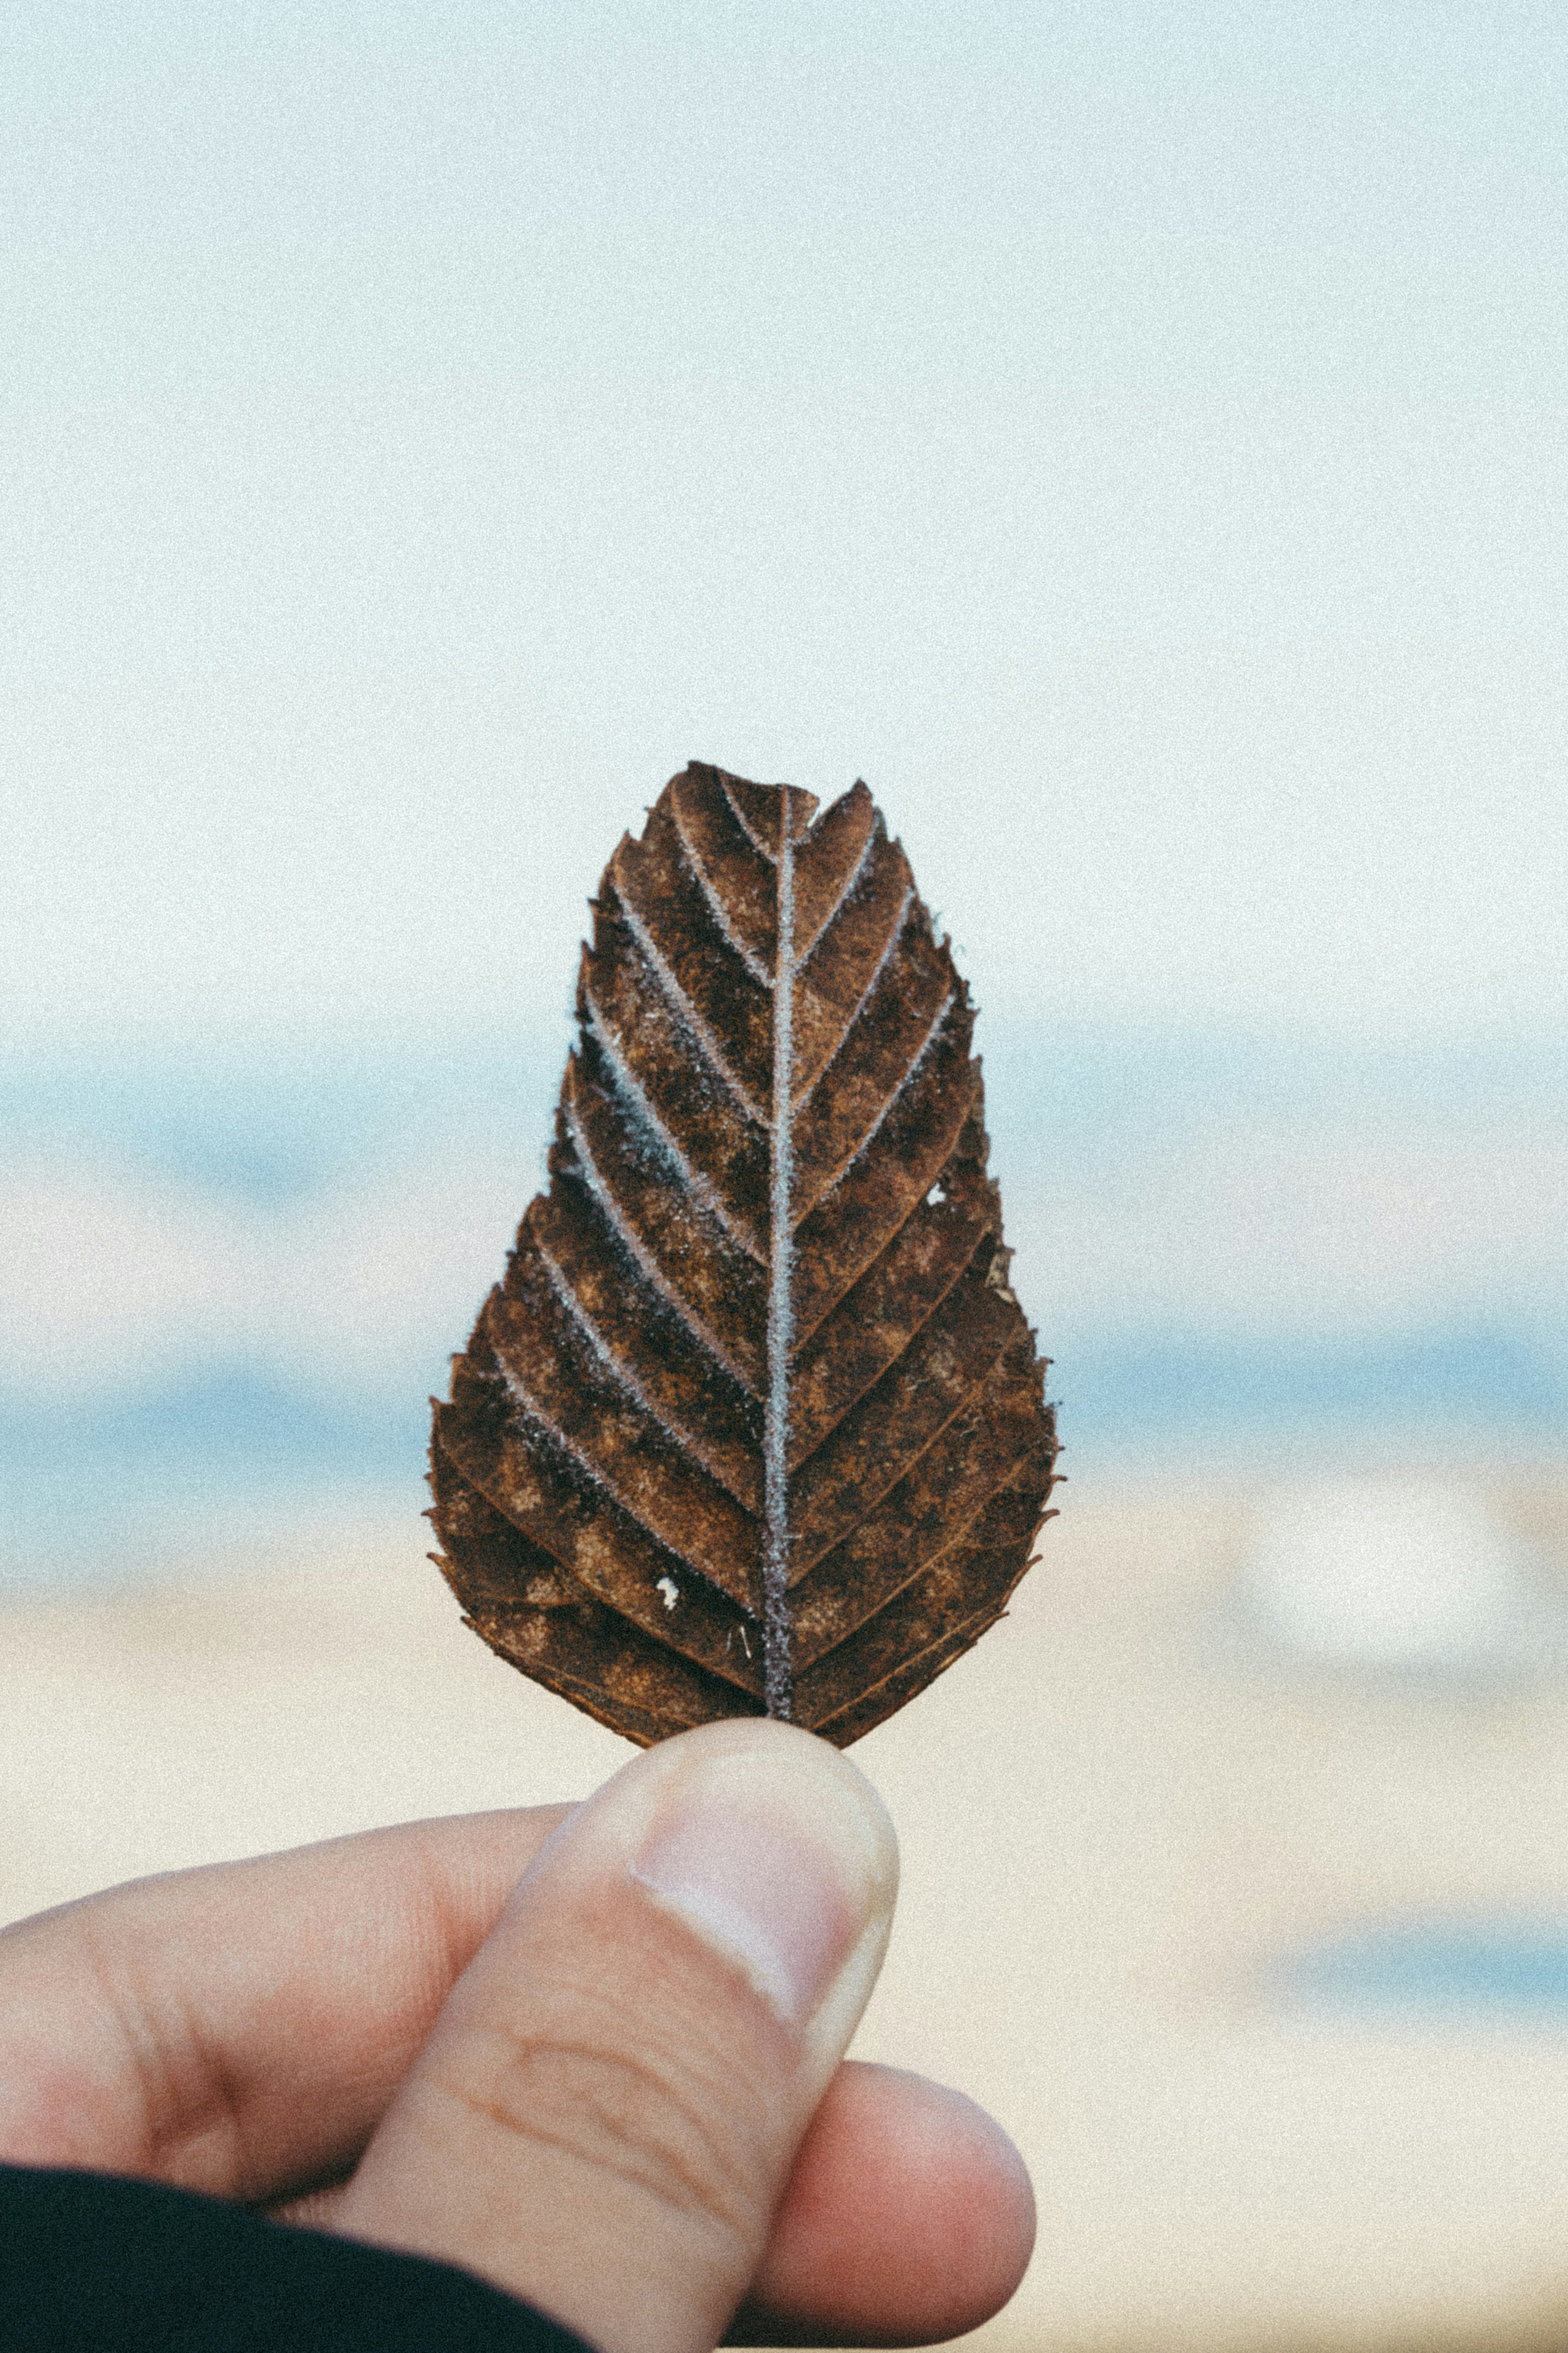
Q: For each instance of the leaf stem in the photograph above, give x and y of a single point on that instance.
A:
(777, 1677)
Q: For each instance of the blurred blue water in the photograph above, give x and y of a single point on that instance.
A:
(272, 1128)
(1191, 1389)
(1471, 1969)
(109, 1486)
(106, 1479)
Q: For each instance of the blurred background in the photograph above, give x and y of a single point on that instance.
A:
(1133, 439)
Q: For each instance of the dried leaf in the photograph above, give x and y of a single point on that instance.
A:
(754, 1422)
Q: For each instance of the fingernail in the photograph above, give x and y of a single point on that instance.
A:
(777, 1858)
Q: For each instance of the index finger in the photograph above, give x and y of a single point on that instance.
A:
(240, 2029)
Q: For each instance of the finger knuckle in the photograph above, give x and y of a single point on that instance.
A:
(674, 2119)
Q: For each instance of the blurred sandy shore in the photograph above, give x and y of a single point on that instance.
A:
(1110, 1826)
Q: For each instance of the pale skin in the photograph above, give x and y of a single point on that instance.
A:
(543, 2044)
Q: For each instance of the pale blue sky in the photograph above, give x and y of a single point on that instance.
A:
(1133, 437)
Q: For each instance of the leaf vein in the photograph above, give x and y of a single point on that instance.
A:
(866, 1141)
(687, 1012)
(593, 1176)
(701, 1188)
(889, 949)
(846, 891)
(720, 913)
(532, 1412)
(622, 1374)
(739, 813)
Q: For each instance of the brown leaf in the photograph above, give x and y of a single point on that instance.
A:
(754, 1423)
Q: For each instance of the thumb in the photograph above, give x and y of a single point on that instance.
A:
(605, 2114)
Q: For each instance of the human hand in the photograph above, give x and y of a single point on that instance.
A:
(612, 2085)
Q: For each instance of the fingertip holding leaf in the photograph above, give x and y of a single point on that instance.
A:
(754, 1423)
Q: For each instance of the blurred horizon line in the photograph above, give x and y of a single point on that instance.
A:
(240, 1273)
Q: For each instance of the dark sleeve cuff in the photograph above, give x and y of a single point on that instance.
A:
(92, 2264)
